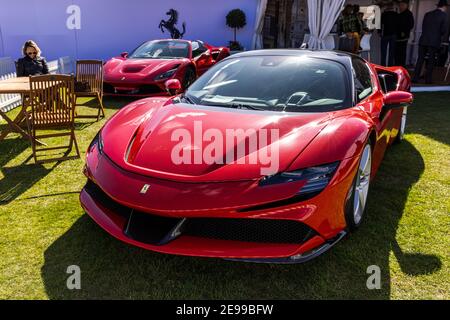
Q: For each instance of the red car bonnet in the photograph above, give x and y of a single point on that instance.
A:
(140, 139)
(117, 68)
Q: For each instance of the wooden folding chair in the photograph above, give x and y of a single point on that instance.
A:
(91, 72)
(52, 100)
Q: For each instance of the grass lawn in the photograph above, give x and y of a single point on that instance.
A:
(406, 233)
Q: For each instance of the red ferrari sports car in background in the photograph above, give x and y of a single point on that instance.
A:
(144, 71)
(267, 157)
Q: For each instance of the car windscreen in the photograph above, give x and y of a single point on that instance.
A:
(278, 83)
(161, 50)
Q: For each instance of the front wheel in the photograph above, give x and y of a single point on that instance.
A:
(357, 196)
(189, 78)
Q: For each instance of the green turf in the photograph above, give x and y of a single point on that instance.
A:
(43, 230)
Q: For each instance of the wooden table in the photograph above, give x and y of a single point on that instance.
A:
(21, 86)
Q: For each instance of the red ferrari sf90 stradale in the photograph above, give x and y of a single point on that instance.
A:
(268, 157)
(144, 71)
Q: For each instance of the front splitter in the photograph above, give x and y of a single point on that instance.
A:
(300, 258)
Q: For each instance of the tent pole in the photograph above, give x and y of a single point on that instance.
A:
(416, 25)
(319, 16)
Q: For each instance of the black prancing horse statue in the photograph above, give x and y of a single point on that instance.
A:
(170, 25)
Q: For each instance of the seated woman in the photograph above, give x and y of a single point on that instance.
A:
(32, 63)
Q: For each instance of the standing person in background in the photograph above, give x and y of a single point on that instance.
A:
(444, 52)
(32, 63)
(351, 27)
(363, 23)
(360, 16)
(405, 25)
(434, 28)
(389, 22)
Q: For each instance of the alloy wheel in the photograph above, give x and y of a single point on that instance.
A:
(361, 188)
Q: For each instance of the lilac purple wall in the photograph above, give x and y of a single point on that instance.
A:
(109, 27)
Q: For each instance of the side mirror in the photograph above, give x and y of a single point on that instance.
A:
(397, 99)
(124, 55)
(173, 86)
(204, 56)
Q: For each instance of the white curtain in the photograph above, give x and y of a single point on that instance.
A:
(259, 24)
(323, 14)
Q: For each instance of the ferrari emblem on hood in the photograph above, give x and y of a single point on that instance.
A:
(145, 188)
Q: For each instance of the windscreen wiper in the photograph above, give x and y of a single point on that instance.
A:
(235, 105)
(189, 100)
(245, 106)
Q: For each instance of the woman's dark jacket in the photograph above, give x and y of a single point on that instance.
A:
(30, 67)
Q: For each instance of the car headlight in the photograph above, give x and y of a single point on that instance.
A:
(97, 142)
(167, 74)
(317, 178)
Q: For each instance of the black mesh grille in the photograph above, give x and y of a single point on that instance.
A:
(150, 89)
(107, 88)
(144, 89)
(154, 229)
(151, 229)
(249, 230)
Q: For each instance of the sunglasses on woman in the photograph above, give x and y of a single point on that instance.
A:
(32, 53)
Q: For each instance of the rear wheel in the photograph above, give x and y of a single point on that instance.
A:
(189, 78)
(357, 196)
(402, 127)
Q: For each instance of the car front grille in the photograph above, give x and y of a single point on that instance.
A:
(146, 89)
(105, 201)
(150, 89)
(249, 230)
(107, 88)
(157, 230)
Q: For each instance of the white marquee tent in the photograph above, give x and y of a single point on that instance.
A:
(322, 15)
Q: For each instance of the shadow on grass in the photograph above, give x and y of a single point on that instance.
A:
(109, 102)
(414, 264)
(49, 195)
(111, 269)
(11, 148)
(17, 179)
(430, 116)
(90, 108)
(118, 102)
(79, 126)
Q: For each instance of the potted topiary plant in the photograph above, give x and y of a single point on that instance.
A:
(236, 19)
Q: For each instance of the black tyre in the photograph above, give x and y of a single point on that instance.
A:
(189, 77)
